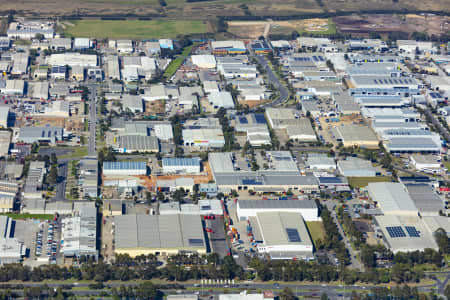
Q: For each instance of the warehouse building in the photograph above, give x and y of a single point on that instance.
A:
(181, 165)
(203, 137)
(133, 103)
(434, 223)
(272, 180)
(284, 235)
(385, 82)
(11, 249)
(72, 59)
(228, 47)
(249, 208)
(159, 234)
(405, 233)
(356, 167)
(427, 163)
(221, 99)
(318, 161)
(412, 145)
(5, 141)
(255, 126)
(392, 198)
(79, 233)
(88, 178)
(204, 61)
(45, 134)
(206, 207)
(14, 87)
(137, 143)
(425, 199)
(126, 168)
(355, 135)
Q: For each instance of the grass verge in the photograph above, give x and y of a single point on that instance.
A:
(360, 182)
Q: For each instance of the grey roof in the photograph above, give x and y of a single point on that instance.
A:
(275, 227)
(138, 143)
(391, 196)
(273, 204)
(159, 231)
(424, 197)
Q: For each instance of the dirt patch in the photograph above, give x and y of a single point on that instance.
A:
(384, 24)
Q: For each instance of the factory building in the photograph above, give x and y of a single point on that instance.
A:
(392, 198)
(203, 137)
(356, 167)
(425, 199)
(385, 82)
(159, 234)
(355, 135)
(228, 47)
(79, 233)
(427, 163)
(45, 134)
(136, 143)
(405, 233)
(126, 168)
(11, 249)
(181, 165)
(283, 235)
(249, 208)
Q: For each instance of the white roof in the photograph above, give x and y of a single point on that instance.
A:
(221, 99)
(391, 197)
(204, 61)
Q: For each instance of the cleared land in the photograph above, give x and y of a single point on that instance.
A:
(317, 26)
(360, 182)
(134, 29)
(316, 230)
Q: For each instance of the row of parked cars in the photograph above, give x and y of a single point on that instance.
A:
(51, 242)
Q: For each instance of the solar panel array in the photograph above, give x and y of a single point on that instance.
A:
(293, 235)
(412, 231)
(396, 232)
(260, 119)
(392, 81)
(243, 120)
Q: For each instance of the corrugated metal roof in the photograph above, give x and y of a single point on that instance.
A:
(273, 204)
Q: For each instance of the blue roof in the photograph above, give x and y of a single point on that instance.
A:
(124, 165)
(260, 119)
(181, 161)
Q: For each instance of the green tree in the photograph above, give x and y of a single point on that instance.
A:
(52, 177)
(287, 294)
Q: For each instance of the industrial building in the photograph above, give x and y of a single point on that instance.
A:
(228, 47)
(405, 233)
(45, 134)
(159, 234)
(385, 82)
(79, 233)
(72, 59)
(412, 145)
(283, 234)
(228, 178)
(249, 208)
(289, 119)
(356, 167)
(133, 103)
(355, 135)
(221, 99)
(11, 249)
(392, 198)
(255, 126)
(425, 199)
(125, 167)
(137, 143)
(206, 207)
(203, 137)
(181, 165)
(88, 178)
(427, 163)
(318, 161)
(204, 61)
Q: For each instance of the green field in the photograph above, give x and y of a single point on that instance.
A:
(176, 63)
(76, 152)
(360, 182)
(134, 29)
(316, 230)
(28, 216)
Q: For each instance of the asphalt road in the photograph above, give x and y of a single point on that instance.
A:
(273, 79)
(62, 180)
(92, 120)
(309, 290)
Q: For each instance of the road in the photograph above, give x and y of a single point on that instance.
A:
(444, 132)
(273, 79)
(308, 290)
(355, 263)
(92, 120)
(62, 180)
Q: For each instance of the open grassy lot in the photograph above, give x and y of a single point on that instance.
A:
(176, 63)
(76, 152)
(28, 216)
(316, 230)
(134, 29)
(359, 182)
